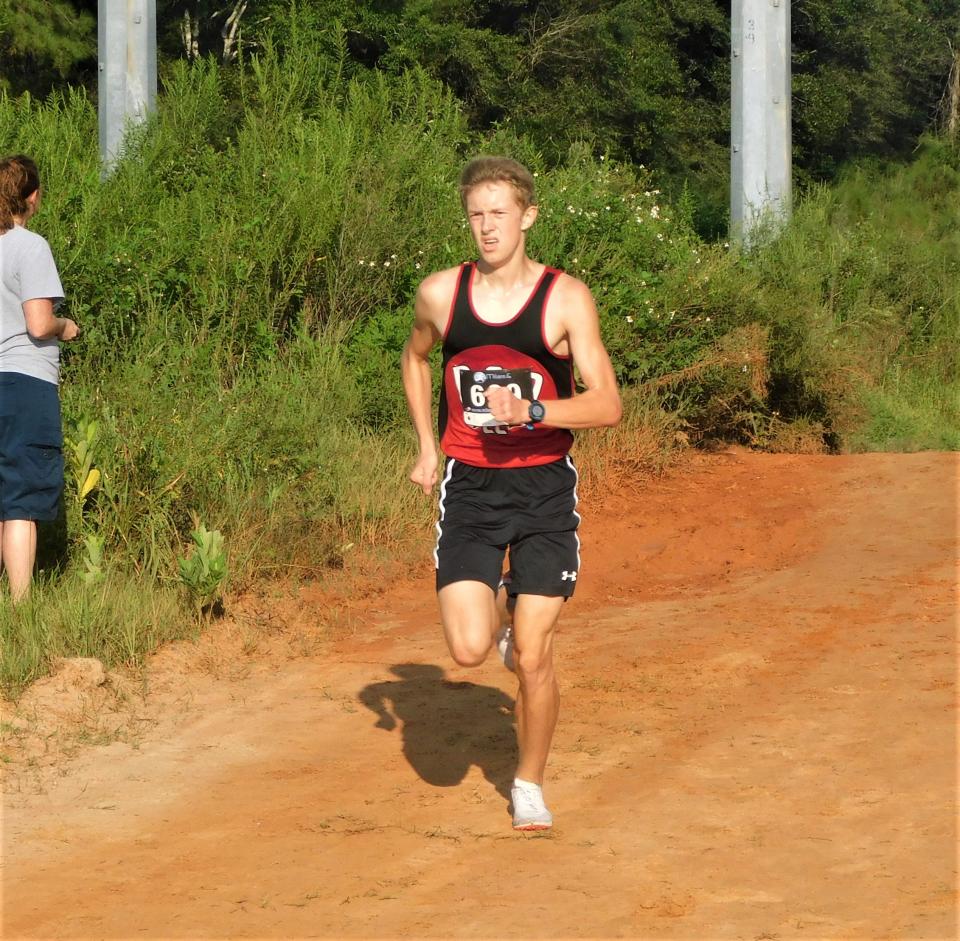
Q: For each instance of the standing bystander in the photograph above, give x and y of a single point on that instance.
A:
(31, 439)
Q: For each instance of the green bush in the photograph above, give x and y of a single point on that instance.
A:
(244, 280)
(862, 302)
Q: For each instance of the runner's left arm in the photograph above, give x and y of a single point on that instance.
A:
(598, 405)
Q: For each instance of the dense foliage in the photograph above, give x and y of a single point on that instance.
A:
(643, 81)
(45, 42)
(244, 280)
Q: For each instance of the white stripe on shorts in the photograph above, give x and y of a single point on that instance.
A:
(443, 511)
(576, 502)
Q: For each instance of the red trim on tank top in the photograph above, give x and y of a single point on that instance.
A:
(516, 316)
(543, 319)
(453, 303)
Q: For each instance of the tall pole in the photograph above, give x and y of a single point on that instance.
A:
(760, 135)
(127, 70)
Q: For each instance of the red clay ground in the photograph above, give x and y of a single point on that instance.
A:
(757, 741)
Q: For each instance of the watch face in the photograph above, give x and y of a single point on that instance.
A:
(537, 411)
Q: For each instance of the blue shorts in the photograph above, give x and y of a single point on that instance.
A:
(530, 511)
(31, 449)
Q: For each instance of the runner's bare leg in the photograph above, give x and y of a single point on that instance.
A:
(538, 699)
(470, 616)
(468, 610)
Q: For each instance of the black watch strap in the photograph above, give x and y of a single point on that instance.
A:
(536, 412)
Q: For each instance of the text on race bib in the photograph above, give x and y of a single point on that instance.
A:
(473, 384)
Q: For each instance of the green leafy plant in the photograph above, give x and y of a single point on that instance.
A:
(93, 559)
(203, 572)
(82, 452)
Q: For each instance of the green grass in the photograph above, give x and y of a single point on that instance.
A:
(119, 621)
(244, 281)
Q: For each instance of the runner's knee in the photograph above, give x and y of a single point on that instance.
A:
(468, 638)
(471, 649)
(534, 665)
(469, 617)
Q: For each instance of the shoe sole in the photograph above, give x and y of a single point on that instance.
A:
(532, 826)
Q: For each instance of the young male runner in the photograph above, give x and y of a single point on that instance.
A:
(512, 330)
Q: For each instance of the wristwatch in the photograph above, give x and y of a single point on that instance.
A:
(536, 412)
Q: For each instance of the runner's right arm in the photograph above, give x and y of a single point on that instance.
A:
(417, 380)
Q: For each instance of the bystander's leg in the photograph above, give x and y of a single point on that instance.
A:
(18, 553)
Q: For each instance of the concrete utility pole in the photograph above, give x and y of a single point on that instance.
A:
(760, 135)
(127, 70)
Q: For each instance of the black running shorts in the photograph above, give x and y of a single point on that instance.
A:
(532, 511)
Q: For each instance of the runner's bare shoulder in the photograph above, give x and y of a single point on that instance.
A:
(570, 311)
(435, 294)
(570, 294)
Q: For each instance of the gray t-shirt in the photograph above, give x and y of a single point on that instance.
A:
(27, 272)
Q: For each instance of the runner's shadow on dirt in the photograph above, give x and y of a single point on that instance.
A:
(447, 727)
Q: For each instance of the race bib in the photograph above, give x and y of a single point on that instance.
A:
(473, 384)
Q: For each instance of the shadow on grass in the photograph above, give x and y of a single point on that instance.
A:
(53, 548)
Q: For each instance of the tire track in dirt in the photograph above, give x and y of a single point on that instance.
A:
(756, 740)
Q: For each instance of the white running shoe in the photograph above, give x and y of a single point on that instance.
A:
(529, 810)
(504, 641)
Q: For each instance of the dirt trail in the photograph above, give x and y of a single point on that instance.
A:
(757, 740)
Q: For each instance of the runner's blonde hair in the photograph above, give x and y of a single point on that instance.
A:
(498, 170)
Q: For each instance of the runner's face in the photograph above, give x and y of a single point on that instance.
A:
(498, 221)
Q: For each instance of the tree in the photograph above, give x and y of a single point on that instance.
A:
(194, 28)
(649, 80)
(868, 75)
(44, 42)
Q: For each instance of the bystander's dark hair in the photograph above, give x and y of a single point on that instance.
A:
(19, 179)
(498, 170)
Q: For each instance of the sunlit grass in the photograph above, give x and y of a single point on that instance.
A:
(245, 281)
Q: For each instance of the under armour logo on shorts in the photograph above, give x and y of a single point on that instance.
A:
(571, 576)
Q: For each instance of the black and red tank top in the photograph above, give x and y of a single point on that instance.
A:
(477, 354)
